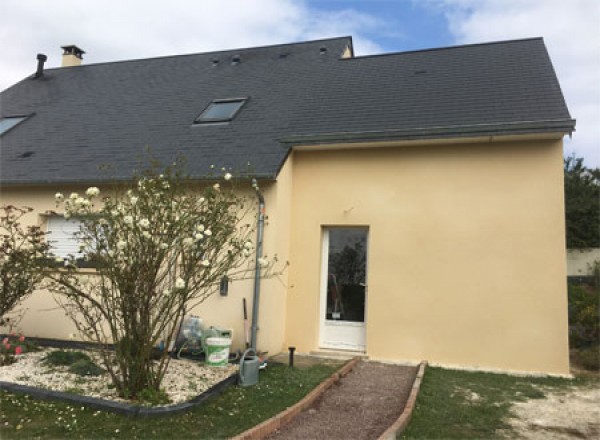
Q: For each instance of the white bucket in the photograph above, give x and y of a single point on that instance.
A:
(217, 352)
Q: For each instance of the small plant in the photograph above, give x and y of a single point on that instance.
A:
(86, 367)
(66, 358)
(12, 346)
(154, 397)
(589, 358)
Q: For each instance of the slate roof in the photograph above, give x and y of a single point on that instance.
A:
(107, 113)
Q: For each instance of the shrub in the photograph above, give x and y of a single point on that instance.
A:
(22, 252)
(162, 246)
(589, 358)
(584, 316)
(86, 367)
(12, 346)
(154, 397)
(66, 358)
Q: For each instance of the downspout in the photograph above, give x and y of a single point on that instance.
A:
(259, 244)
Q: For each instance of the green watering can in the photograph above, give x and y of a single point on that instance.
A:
(249, 364)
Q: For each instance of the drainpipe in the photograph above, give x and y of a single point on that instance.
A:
(259, 243)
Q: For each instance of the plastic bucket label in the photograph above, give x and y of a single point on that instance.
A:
(217, 351)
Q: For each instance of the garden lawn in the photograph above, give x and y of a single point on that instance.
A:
(461, 404)
(234, 411)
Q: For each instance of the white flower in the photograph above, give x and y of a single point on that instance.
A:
(59, 197)
(134, 200)
(248, 245)
(188, 241)
(263, 261)
(121, 245)
(146, 234)
(198, 236)
(144, 223)
(161, 176)
(245, 252)
(227, 176)
(201, 200)
(200, 228)
(59, 259)
(128, 220)
(205, 263)
(92, 191)
(216, 186)
(163, 246)
(179, 283)
(208, 232)
(66, 215)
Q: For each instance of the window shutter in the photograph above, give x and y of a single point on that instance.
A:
(62, 237)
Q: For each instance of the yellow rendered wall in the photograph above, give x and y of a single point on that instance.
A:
(44, 318)
(466, 258)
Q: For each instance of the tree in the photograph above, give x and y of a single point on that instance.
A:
(22, 250)
(582, 204)
(160, 247)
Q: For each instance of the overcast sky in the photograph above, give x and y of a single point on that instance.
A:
(112, 30)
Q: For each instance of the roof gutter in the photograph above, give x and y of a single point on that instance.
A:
(566, 126)
(259, 245)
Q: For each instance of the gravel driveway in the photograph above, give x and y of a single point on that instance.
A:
(361, 406)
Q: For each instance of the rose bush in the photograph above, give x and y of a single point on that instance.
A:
(160, 247)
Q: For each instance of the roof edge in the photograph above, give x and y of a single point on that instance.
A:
(566, 126)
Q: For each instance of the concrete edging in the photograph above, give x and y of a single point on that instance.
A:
(269, 426)
(401, 423)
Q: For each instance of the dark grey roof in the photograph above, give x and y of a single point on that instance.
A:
(108, 113)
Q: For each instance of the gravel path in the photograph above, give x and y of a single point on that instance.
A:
(361, 406)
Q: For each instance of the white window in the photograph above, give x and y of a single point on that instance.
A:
(62, 237)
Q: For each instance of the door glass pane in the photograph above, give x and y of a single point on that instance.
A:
(346, 275)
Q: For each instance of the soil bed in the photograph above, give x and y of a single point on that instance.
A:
(361, 406)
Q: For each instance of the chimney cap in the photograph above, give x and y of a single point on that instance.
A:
(71, 49)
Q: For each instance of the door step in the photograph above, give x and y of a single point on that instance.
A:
(339, 354)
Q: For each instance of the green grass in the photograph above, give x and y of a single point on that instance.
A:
(462, 405)
(236, 410)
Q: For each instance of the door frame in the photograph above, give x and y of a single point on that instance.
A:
(360, 328)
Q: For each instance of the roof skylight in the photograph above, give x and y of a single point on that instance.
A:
(220, 110)
(9, 122)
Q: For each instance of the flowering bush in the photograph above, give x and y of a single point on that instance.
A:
(12, 346)
(161, 246)
(22, 250)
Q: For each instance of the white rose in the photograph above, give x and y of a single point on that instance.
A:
(92, 191)
(59, 197)
(262, 262)
(128, 220)
(200, 228)
(163, 246)
(205, 263)
(121, 245)
(198, 236)
(245, 252)
(74, 196)
(134, 200)
(216, 186)
(179, 283)
(188, 241)
(227, 176)
(144, 223)
(248, 245)
(208, 232)
(146, 234)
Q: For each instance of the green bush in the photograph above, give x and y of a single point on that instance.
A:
(584, 315)
(589, 358)
(154, 397)
(86, 367)
(62, 357)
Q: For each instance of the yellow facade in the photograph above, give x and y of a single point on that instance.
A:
(466, 256)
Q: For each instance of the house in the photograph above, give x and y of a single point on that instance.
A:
(418, 196)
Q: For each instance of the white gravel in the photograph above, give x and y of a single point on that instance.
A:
(183, 381)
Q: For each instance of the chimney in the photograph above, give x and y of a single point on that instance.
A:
(40, 67)
(72, 56)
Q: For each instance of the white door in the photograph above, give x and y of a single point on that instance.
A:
(343, 288)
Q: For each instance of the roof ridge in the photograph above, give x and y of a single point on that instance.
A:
(434, 49)
(267, 46)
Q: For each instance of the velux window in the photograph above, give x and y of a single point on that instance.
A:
(220, 110)
(9, 122)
